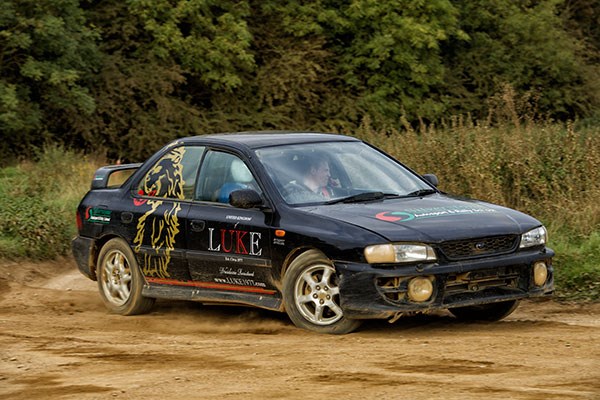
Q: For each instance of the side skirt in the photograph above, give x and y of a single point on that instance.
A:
(212, 293)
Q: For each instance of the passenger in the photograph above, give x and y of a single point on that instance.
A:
(241, 179)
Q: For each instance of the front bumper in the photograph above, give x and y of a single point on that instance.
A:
(380, 292)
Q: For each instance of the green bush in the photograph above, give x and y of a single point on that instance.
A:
(38, 201)
(39, 230)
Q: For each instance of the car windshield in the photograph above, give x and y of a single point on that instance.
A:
(335, 172)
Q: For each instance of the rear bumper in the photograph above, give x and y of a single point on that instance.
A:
(369, 292)
(83, 250)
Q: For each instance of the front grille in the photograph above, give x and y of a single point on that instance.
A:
(457, 287)
(484, 283)
(474, 281)
(481, 247)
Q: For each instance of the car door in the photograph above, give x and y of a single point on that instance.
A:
(160, 199)
(228, 247)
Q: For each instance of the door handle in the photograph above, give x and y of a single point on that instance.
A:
(197, 225)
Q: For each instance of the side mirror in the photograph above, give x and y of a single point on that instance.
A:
(431, 178)
(245, 198)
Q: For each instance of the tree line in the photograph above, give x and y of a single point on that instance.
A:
(125, 76)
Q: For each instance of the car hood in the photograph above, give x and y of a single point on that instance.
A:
(433, 218)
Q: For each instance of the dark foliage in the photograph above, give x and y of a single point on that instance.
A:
(125, 77)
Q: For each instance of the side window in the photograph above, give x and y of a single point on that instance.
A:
(222, 173)
(174, 175)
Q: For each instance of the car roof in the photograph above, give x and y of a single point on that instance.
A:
(258, 139)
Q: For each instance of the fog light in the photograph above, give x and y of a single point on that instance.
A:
(540, 273)
(420, 289)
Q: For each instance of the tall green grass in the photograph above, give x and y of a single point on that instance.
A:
(38, 202)
(549, 170)
(578, 266)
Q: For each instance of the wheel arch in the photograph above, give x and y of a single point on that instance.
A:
(295, 253)
(95, 252)
(289, 259)
(310, 260)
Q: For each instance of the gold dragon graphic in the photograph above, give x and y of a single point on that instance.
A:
(165, 179)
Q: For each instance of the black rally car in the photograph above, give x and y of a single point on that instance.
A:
(324, 227)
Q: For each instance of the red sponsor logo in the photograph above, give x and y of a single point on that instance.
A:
(394, 216)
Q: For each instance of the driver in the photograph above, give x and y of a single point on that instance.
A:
(314, 184)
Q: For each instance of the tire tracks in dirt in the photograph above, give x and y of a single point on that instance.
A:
(58, 342)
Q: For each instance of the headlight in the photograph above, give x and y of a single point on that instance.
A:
(534, 237)
(399, 253)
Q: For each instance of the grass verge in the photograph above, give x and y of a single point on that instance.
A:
(550, 171)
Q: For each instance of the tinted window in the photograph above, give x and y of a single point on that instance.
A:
(174, 175)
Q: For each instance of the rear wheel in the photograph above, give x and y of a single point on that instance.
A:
(311, 295)
(120, 281)
(485, 312)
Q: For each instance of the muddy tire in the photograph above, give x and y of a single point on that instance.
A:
(485, 312)
(120, 281)
(311, 295)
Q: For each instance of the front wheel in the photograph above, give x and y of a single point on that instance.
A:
(311, 295)
(485, 312)
(120, 281)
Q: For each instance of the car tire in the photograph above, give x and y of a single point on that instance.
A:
(311, 295)
(120, 281)
(485, 312)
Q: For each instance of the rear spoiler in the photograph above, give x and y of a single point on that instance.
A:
(103, 178)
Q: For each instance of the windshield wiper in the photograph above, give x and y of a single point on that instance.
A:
(421, 192)
(360, 197)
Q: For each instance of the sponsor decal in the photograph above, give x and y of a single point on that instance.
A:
(173, 144)
(160, 230)
(238, 277)
(394, 216)
(97, 215)
(236, 272)
(240, 282)
(238, 218)
(253, 287)
(234, 241)
(434, 212)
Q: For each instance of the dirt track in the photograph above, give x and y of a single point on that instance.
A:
(57, 341)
